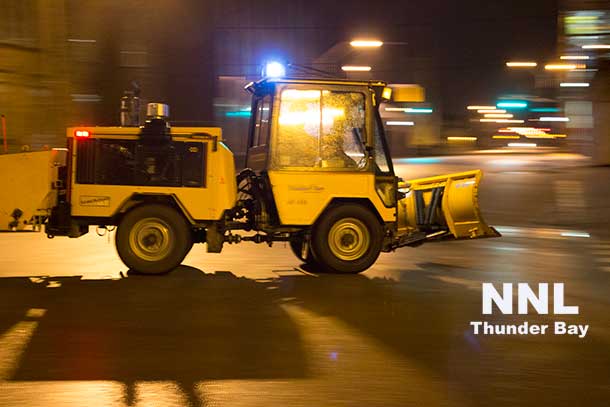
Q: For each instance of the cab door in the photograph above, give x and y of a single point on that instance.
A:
(260, 128)
(319, 150)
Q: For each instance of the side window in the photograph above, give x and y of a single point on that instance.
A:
(381, 158)
(321, 129)
(261, 123)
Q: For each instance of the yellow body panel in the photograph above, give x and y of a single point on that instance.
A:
(199, 203)
(26, 184)
(301, 197)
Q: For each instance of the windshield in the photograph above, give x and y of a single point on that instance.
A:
(321, 129)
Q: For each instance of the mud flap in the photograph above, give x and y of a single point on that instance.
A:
(444, 206)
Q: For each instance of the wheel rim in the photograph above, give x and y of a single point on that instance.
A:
(150, 239)
(349, 239)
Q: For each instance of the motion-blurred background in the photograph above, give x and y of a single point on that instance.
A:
(520, 74)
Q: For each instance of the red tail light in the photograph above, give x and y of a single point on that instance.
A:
(81, 133)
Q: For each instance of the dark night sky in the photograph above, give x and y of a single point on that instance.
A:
(457, 49)
(467, 41)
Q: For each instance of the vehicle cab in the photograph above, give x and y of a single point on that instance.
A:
(304, 130)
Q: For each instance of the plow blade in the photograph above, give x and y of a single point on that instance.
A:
(444, 206)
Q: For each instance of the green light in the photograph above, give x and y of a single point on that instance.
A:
(545, 109)
(512, 105)
(240, 113)
(425, 110)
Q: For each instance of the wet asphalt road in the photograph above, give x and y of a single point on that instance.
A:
(248, 327)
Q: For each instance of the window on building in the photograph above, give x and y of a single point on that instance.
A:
(18, 21)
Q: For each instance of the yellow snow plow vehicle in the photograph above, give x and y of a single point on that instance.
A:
(319, 176)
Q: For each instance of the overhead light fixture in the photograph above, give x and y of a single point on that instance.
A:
(366, 43)
(355, 68)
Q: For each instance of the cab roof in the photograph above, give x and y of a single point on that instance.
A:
(264, 84)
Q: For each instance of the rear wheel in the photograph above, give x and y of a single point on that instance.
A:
(153, 239)
(346, 239)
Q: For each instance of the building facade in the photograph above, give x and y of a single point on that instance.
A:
(33, 81)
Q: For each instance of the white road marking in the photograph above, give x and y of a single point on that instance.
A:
(542, 233)
(14, 342)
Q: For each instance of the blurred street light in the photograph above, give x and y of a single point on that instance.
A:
(491, 111)
(498, 116)
(596, 46)
(526, 145)
(366, 43)
(501, 121)
(563, 67)
(574, 85)
(399, 123)
(461, 138)
(554, 119)
(355, 68)
(476, 107)
(521, 64)
(512, 105)
(574, 57)
(424, 110)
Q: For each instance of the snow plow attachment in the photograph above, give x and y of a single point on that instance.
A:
(441, 207)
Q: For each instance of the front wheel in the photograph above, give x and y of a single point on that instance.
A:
(153, 239)
(346, 239)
